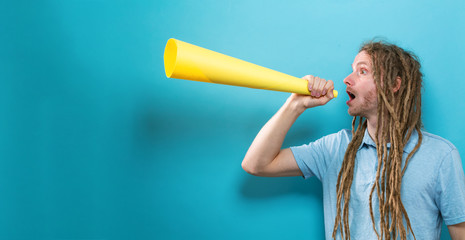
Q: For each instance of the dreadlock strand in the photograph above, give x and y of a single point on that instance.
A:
(376, 184)
(345, 178)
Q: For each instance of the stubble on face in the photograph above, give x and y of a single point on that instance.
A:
(370, 102)
(368, 106)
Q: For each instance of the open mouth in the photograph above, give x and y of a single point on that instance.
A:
(351, 95)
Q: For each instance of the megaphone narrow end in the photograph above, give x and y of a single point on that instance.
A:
(169, 57)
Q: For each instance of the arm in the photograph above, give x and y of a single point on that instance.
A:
(457, 231)
(265, 157)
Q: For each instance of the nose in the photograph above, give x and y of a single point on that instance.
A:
(348, 80)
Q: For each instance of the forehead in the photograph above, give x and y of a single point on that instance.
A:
(362, 58)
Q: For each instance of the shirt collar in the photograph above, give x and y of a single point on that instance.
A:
(368, 141)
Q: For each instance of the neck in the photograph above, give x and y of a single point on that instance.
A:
(372, 124)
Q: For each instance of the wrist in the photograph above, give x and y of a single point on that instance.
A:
(293, 106)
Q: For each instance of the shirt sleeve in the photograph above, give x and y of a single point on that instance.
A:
(451, 189)
(314, 158)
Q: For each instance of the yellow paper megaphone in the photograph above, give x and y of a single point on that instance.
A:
(190, 62)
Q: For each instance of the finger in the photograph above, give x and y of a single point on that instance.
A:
(328, 89)
(321, 85)
(311, 81)
(316, 83)
(307, 77)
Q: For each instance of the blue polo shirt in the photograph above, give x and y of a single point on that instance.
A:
(433, 187)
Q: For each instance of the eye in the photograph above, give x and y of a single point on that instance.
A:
(363, 71)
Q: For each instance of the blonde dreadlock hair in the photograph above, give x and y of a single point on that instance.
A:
(399, 114)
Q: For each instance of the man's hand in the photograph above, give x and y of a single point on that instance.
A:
(321, 93)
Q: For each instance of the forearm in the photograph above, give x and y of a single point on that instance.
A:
(268, 142)
(265, 157)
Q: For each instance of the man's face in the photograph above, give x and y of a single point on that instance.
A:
(361, 88)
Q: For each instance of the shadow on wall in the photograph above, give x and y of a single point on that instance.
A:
(264, 187)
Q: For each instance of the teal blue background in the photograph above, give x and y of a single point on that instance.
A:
(96, 142)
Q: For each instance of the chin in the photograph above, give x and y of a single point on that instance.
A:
(355, 114)
(352, 113)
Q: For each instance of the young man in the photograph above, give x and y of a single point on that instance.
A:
(385, 179)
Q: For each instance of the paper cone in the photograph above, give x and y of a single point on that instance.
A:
(190, 62)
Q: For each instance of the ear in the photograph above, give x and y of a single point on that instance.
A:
(398, 82)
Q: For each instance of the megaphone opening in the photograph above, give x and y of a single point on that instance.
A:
(171, 51)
